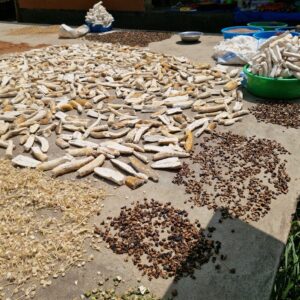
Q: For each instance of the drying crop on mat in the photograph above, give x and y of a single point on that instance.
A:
(110, 105)
(43, 225)
(130, 38)
(238, 175)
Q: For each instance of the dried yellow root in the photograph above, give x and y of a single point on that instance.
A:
(188, 146)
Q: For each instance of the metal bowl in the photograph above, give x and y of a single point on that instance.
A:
(190, 36)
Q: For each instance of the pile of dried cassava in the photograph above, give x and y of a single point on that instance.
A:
(102, 101)
(278, 57)
(43, 225)
(238, 175)
(161, 240)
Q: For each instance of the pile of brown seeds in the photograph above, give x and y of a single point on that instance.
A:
(280, 113)
(43, 227)
(238, 175)
(161, 240)
(130, 38)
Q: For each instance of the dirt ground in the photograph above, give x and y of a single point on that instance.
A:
(253, 250)
(7, 47)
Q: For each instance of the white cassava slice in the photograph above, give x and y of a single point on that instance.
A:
(171, 100)
(125, 167)
(111, 175)
(152, 138)
(44, 143)
(25, 161)
(153, 148)
(196, 124)
(118, 147)
(89, 168)
(168, 163)
(38, 154)
(141, 167)
(3, 127)
(71, 166)
(83, 144)
(51, 164)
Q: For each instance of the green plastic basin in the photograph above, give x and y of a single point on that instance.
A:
(268, 25)
(272, 88)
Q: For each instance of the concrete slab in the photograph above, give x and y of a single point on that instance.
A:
(253, 250)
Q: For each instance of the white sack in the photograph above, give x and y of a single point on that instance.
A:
(68, 32)
(236, 51)
(98, 15)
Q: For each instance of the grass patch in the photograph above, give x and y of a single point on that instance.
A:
(287, 282)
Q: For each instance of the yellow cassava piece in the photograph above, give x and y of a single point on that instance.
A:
(231, 85)
(188, 146)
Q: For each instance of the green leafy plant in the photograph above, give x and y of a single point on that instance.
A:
(287, 282)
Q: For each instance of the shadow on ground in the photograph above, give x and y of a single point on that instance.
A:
(245, 265)
(255, 100)
(188, 43)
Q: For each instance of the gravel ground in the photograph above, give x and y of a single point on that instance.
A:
(130, 38)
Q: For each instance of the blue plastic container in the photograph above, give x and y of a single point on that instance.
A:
(267, 34)
(98, 28)
(229, 35)
(288, 28)
(293, 33)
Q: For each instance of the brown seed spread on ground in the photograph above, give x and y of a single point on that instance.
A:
(34, 30)
(280, 113)
(6, 47)
(130, 38)
(161, 240)
(43, 225)
(239, 175)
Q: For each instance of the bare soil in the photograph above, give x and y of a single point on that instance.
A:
(6, 47)
(34, 30)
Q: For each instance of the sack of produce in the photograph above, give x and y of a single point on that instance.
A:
(98, 15)
(236, 51)
(67, 32)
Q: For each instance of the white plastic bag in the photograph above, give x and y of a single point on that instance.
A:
(236, 51)
(67, 32)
